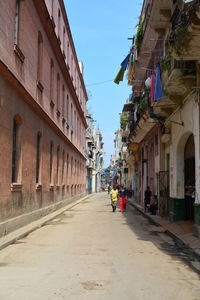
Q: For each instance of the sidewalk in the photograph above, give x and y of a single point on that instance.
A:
(25, 230)
(181, 231)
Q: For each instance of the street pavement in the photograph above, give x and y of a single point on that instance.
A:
(89, 252)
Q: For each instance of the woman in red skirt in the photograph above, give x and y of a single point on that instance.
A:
(122, 198)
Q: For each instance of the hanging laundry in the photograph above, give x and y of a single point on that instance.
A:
(158, 85)
(153, 80)
(125, 62)
(120, 76)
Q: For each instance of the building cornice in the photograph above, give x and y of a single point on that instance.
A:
(62, 6)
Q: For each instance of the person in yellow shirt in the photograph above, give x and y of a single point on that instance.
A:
(114, 196)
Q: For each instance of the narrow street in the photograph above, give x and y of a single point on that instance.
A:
(89, 252)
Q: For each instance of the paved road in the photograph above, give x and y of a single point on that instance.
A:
(90, 252)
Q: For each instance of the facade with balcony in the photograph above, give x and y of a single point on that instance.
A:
(162, 120)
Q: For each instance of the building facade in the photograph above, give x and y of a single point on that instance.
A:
(163, 116)
(94, 154)
(42, 109)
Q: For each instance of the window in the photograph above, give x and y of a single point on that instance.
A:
(52, 7)
(72, 64)
(67, 109)
(71, 114)
(51, 80)
(67, 164)
(75, 124)
(57, 166)
(75, 167)
(58, 94)
(59, 17)
(38, 150)
(16, 150)
(64, 40)
(51, 162)
(63, 165)
(17, 22)
(68, 54)
(71, 165)
(63, 100)
(39, 57)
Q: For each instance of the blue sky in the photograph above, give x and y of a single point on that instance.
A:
(100, 31)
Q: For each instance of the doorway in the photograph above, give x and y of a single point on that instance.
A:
(189, 173)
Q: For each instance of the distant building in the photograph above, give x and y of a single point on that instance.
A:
(42, 109)
(94, 153)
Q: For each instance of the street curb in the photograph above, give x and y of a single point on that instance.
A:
(170, 233)
(22, 232)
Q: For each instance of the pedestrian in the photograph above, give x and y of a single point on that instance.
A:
(108, 189)
(122, 198)
(114, 195)
(147, 199)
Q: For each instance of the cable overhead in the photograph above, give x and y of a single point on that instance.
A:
(98, 83)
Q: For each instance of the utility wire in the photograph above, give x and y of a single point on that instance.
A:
(98, 83)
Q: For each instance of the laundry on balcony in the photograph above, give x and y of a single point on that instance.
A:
(120, 74)
(153, 80)
(158, 93)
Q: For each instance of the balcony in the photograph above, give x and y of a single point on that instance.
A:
(160, 16)
(179, 80)
(90, 163)
(184, 38)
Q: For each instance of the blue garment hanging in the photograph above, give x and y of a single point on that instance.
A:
(158, 85)
(125, 62)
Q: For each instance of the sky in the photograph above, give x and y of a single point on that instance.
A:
(100, 31)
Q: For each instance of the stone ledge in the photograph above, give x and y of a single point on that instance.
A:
(38, 187)
(19, 53)
(16, 187)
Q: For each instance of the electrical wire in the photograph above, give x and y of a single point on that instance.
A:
(98, 83)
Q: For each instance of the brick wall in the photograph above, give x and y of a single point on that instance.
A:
(26, 97)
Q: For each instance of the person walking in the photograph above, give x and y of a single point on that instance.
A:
(114, 195)
(122, 198)
(147, 199)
